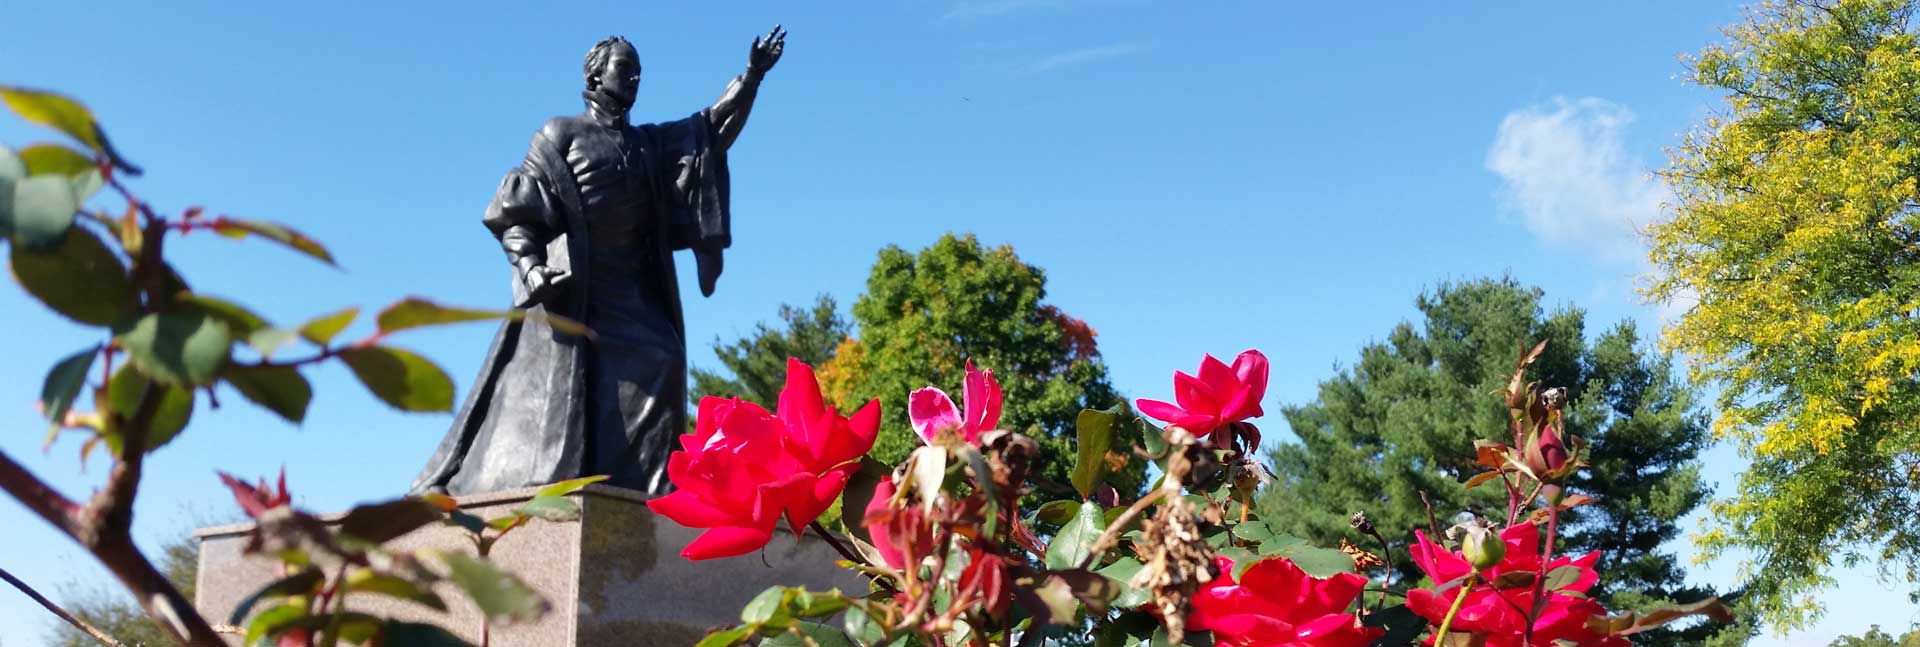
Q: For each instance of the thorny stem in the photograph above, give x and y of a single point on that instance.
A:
(835, 543)
(82, 625)
(1540, 580)
(1458, 600)
(1386, 554)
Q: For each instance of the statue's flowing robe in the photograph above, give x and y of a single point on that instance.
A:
(550, 406)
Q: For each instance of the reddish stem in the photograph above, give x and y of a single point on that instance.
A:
(1540, 581)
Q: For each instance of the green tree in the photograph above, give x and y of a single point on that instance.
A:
(1877, 638)
(758, 362)
(924, 315)
(115, 613)
(1400, 424)
(1795, 226)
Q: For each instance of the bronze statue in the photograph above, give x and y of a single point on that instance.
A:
(589, 222)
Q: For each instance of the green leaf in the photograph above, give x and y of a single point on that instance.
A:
(240, 321)
(240, 228)
(266, 340)
(365, 580)
(43, 209)
(414, 634)
(271, 621)
(125, 390)
(858, 494)
(1058, 603)
(569, 486)
(305, 582)
(57, 160)
(764, 606)
(1122, 571)
(1559, 578)
(500, 596)
(56, 111)
(186, 348)
(810, 604)
(81, 279)
(1093, 436)
(63, 383)
(861, 627)
(415, 312)
(1253, 531)
(1402, 624)
(726, 637)
(821, 635)
(400, 378)
(380, 523)
(469, 521)
(322, 329)
(54, 159)
(280, 389)
(1071, 545)
(550, 508)
(1316, 561)
(1056, 512)
(1154, 439)
(355, 628)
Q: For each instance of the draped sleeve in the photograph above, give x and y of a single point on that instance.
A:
(699, 214)
(525, 217)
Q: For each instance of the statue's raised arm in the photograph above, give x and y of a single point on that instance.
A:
(729, 114)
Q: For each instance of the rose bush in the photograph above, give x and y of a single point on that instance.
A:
(953, 558)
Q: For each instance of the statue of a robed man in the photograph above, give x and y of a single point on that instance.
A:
(589, 222)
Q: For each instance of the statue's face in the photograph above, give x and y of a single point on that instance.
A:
(621, 76)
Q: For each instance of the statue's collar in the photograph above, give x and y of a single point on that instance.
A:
(602, 109)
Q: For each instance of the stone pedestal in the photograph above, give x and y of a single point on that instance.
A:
(615, 577)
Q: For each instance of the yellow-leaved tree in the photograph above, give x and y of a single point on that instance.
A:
(1794, 225)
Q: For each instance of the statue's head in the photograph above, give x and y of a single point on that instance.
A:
(613, 68)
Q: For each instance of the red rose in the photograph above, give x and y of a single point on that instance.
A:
(1221, 395)
(1275, 603)
(1502, 621)
(931, 411)
(743, 469)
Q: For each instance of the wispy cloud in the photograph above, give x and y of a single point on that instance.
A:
(1566, 174)
(1565, 171)
(1080, 56)
(989, 8)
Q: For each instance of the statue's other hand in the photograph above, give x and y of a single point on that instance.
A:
(543, 282)
(766, 51)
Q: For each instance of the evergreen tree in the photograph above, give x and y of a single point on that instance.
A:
(758, 362)
(1402, 422)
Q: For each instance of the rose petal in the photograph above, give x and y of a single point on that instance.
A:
(930, 410)
(686, 509)
(727, 541)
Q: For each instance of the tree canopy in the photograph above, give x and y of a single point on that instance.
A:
(1794, 226)
(925, 314)
(1402, 421)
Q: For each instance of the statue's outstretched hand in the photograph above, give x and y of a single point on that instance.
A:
(766, 51)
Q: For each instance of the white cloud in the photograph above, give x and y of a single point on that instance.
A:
(1565, 173)
(1080, 56)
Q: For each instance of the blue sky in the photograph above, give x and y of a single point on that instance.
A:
(1248, 175)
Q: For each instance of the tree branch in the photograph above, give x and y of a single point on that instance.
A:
(112, 543)
(82, 625)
